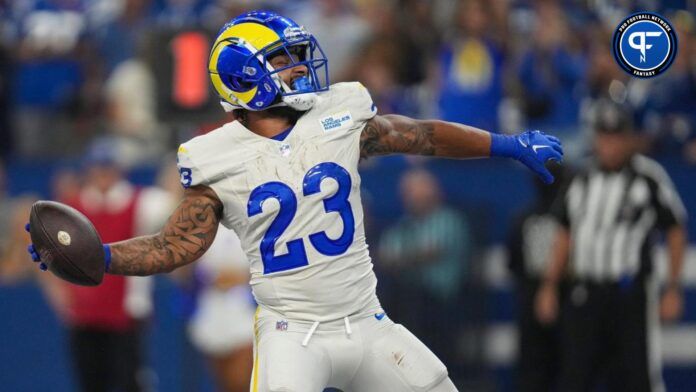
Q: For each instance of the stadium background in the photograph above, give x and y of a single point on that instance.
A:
(130, 74)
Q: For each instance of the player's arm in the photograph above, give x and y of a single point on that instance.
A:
(391, 134)
(188, 233)
(388, 134)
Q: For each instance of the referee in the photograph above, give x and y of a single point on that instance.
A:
(611, 216)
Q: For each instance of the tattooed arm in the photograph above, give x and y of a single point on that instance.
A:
(398, 134)
(188, 233)
(390, 134)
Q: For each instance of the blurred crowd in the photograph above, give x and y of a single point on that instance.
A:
(72, 71)
(115, 85)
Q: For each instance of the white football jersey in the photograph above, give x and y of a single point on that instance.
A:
(295, 205)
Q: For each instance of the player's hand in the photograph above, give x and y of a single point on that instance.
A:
(34, 254)
(533, 148)
(671, 304)
(537, 149)
(546, 304)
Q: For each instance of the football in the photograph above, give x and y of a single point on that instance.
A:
(67, 242)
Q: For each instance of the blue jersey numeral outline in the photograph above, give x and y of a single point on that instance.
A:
(336, 203)
(296, 255)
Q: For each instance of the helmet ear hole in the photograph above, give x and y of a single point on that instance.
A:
(237, 84)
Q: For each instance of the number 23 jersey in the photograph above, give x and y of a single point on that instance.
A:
(295, 205)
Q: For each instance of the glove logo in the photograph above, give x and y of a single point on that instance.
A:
(539, 146)
(645, 44)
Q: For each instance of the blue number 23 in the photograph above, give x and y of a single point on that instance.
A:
(296, 255)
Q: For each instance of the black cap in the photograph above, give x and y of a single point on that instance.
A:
(102, 153)
(610, 118)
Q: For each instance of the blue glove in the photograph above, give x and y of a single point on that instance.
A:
(43, 267)
(533, 148)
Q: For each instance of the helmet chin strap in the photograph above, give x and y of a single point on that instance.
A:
(301, 102)
(228, 107)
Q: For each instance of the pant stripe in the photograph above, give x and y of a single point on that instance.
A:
(255, 376)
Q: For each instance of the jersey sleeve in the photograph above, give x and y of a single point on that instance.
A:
(190, 173)
(664, 196)
(350, 107)
(669, 206)
(361, 103)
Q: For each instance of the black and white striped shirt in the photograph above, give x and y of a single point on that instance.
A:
(613, 218)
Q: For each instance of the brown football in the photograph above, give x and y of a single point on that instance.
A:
(67, 242)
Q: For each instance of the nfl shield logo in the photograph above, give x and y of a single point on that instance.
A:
(285, 149)
(282, 325)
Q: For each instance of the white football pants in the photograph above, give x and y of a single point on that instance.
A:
(368, 353)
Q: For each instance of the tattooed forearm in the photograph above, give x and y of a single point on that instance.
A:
(398, 134)
(186, 236)
(391, 134)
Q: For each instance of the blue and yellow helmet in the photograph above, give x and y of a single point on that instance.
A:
(244, 78)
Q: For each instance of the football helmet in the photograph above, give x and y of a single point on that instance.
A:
(242, 75)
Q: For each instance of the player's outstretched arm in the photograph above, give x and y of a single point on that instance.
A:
(390, 134)
(188, 233)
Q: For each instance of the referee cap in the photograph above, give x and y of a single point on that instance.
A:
(610, 118)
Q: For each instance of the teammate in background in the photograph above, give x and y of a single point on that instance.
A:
(609, 219)
(222, 325)
(529, 244)
(284, 177)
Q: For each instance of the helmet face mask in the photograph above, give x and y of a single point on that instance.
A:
(317, 66)
(242, 72)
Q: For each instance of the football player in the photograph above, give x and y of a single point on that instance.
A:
(284, 176)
